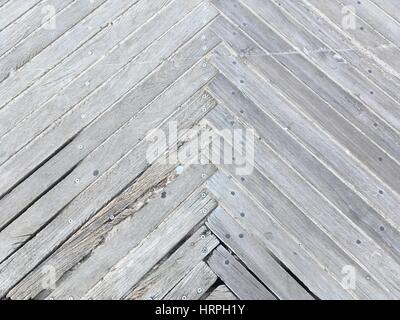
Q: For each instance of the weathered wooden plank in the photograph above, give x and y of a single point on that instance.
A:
(40, 82)
(91, 235)
(64, 161)
(104, 156)
(43, 13)
(129, 233)
(237, 277)
(221, 293)
(391, 7)
(115, 66)
(89, 202)
(354, 111)
(378, 19)
(12, 10)
(333, 37)
(290, 212)
(3, 2)
(338, 193)
(256, 257)
(363, 36)
(161, 280)
(329, 106)
(124, 275)
(368, 255)
(310, 264)
(372, 190)
(153, 85)
(194, 284)
(385, 85)
(42, 38)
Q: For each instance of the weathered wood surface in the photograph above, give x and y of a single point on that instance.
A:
(257, 258)
(90, 209)
(221, 293)
(236, 277)
(169, 273)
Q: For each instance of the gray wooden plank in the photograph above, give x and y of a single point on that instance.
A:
(363, 36)
(362, 63)
(68, 158)
(88, 203)
(86, 43)
(163, 279)
(70, 125)
(90, 235)
(221, 293)
(354, 111)
(194, 284)
(376, 18)
(312, 264)
(42, 38)
(256, 257)
(44, 12)
(346, 119)
(391, 7)
(52, 97)
(338, 193)
(129, 233)
(367, 254)
(104, 156)
(237, 277)
(3, 2)
(372, 190)
(124, 275)
(12, 10)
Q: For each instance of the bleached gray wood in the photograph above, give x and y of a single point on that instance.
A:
(161, 280)
(73, 122)
(365, 64)
(332, 64)
(311, 193)
(236, 277)
(129, 270)
(262, 221)
(391, 7)
(348, 169)
(39, 40)
(336, 112)
(105, 155)
(122, 61)
(357, 103)
(221, 293)
(53, 170)
(256, 257)
(29, 22)
(3, 2)
(354, 111)
(115, 65)
(378, 19)
(344, 198)
(364, 36)
(90, 39)
(88, 203)
(92, 233)
(317, 213)
(294, 215)
(194, 284)
(129, 233)
(12, 10)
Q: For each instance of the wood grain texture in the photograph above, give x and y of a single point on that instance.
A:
(236, 277)
(199, 150)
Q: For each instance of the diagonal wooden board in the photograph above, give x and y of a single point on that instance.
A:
(84, 212)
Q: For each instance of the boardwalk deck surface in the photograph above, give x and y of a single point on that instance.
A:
(299, 99)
